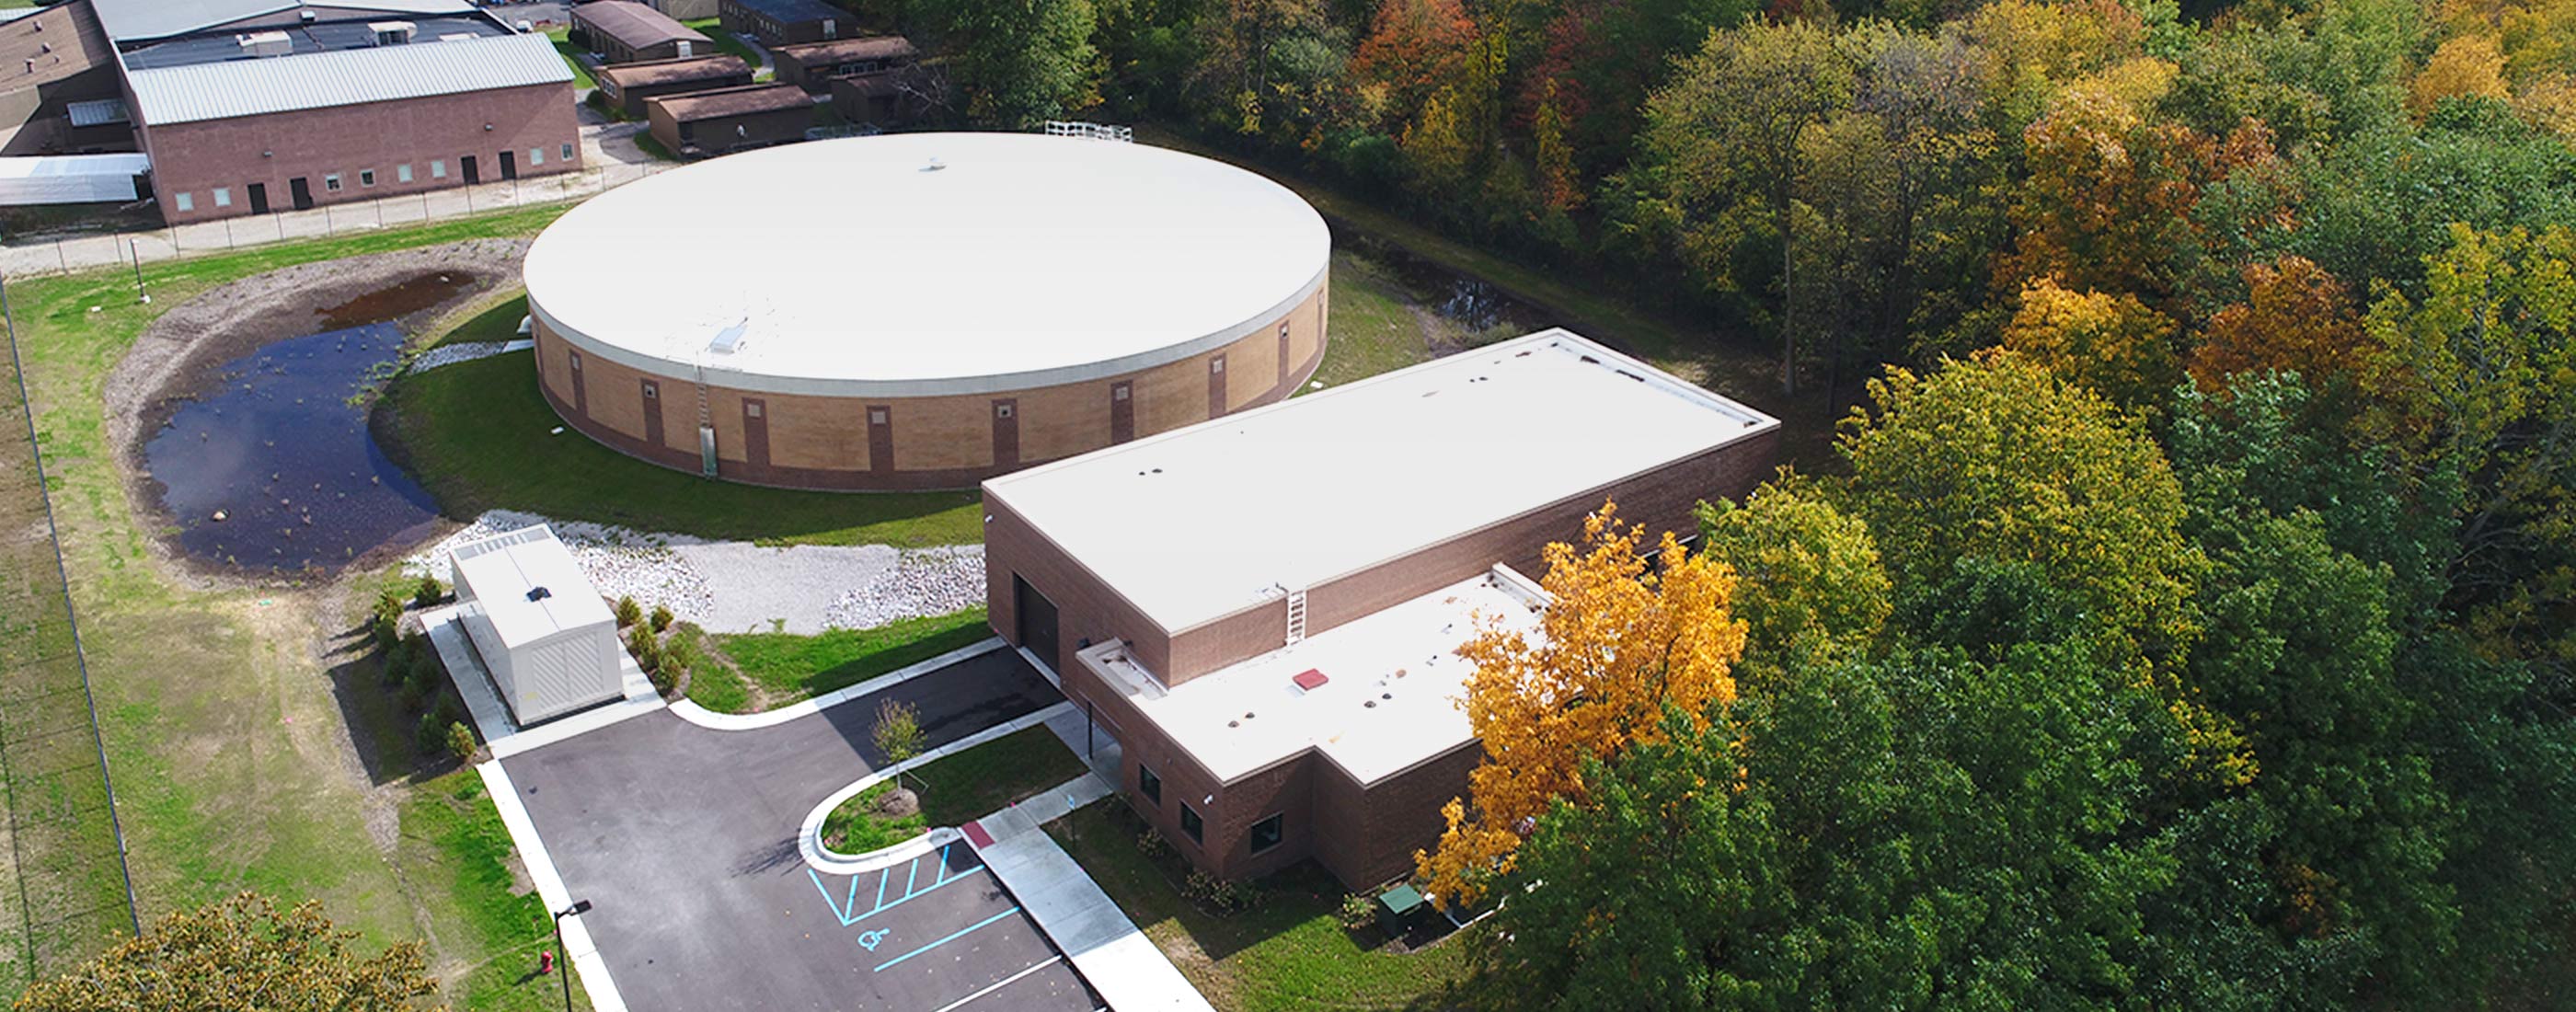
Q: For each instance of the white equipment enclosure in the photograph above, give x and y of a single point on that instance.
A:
(540, 626)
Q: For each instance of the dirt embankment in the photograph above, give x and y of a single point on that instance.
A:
(186, 348)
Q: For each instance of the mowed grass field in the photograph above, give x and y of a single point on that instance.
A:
(63, 892)
(251, 745)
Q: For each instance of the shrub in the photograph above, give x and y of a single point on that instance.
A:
(1218, 894)
(423, 676)
(627, 612)
(1152, 845)
(432, 732)
(1357, 912)
(646, 648)
(661, 619)
(898, 731)
(387, 620)
(460, 741)
(398, 663)
(410, 696)
(429, 592)
(449, 710)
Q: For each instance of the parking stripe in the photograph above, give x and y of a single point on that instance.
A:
(848, 913)
(961, 933)
(998, 985)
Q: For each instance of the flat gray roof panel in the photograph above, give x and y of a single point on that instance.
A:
(253, 87)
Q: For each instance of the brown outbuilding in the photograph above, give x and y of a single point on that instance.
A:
(730, 119)
(812, 65)
(1261, 613)
(625, 86)
(781, 22)
(622, 31)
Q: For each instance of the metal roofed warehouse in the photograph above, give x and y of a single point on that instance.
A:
(923, 310)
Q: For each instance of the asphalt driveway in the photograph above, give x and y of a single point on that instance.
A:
(683, 839)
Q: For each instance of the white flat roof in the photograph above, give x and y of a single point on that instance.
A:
(1389, 702)
(504, 568)
(1200, 522)
(854, 268)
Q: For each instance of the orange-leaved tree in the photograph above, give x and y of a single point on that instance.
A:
(1615, 646)
(2296, 317)
(2112, 344)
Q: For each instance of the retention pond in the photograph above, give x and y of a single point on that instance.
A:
(267, 465)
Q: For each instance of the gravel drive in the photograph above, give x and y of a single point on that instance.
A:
(737, 586)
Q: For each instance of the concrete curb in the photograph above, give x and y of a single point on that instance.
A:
(690, 711)
(579, 950)
(809, 836)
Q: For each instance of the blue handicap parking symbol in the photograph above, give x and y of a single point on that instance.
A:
(869, 939)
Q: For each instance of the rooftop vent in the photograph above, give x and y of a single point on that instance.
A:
(730, 339)
(392, 33)
(266, 43)
(1311, 679)
(539, 593)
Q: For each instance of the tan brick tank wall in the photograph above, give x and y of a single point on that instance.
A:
(800, 441)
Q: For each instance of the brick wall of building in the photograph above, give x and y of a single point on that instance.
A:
(196, 158)
(938, 442)
(716, 135)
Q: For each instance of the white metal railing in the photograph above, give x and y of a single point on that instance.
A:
(1093, 131)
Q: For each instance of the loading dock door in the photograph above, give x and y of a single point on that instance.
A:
(302, 192)
(1036, 620)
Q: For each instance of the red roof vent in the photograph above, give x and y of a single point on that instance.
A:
(1311, 679)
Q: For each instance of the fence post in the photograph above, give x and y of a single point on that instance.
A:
(327, 228)
(380, 212)
(61, 257)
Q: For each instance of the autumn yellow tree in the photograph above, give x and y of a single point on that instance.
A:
(1616, 646)
(1812, 589)
(2468, 66)
(2295, 318)
(2112, 344)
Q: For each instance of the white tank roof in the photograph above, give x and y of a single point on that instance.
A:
(927, 264)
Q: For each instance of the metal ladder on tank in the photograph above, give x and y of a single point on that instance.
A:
(706, 426)
(1296, 615)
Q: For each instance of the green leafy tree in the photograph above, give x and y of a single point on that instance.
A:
(897, 733)
(1720, 152)
(1810, 585)
(241, 953)
(1015, 62)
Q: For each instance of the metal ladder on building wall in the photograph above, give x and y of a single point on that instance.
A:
(1296, 615)
(706, 427)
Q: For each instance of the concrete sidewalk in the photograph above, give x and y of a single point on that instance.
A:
(1126, 968)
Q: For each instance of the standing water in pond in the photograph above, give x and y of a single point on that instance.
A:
(275, 448)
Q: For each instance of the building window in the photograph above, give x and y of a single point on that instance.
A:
(1149, 785)
(751, 409)
(576, 361)
(1268, 832)
(366, 177)
(876, 416)
(223, 196)
(1001, 411)
(331, 182)
(536, 156)
(402, 173)
(1190, 824)
(1216, 365)
(186, 202)
(437, 169)
(652, 392)
(567, 152)
(1118, 392)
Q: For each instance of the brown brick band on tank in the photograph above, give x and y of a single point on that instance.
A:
(838, 443)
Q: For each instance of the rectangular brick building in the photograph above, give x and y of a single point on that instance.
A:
(622, 31)
(730, 119)
(813, 65)
(780, 22)
(1261, 611)
(625, 87)
(251, 106)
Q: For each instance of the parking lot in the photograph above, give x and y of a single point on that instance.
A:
(683, 840)
(939, 932)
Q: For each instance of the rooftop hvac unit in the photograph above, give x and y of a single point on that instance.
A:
(392, 33)
(265, 44)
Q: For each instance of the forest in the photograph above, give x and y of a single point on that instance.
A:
(2186, 618)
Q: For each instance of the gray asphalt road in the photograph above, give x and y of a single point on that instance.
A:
(683, 838)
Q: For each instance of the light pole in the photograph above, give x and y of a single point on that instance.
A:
(578, 907)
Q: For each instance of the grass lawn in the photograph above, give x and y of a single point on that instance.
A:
(480, 436)
(459, 857)
(244, 727)
(714, 28)
(497, 322)
(647, 143)
(571, 56)
(1289, 952)
(781, 668)
(956, 790)
(1378, 323)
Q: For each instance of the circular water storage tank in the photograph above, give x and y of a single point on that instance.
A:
(912, 311)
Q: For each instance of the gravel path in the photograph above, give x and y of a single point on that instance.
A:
(467, 351)
(737, 586)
